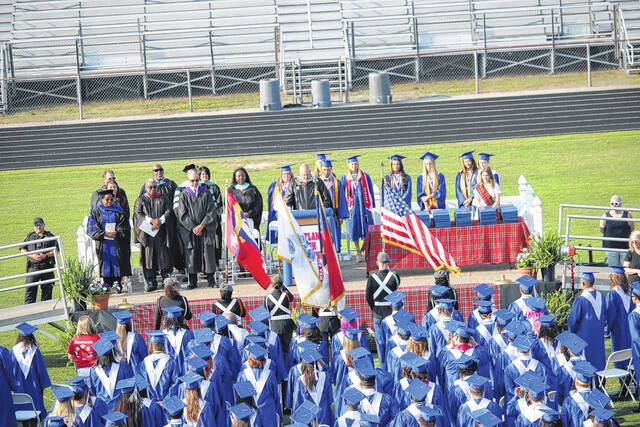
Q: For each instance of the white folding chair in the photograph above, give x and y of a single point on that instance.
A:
(615, 373)
(632, 372)
(25, 415)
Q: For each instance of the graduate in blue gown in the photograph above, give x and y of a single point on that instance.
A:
(7, 385)
(152, 413)
(359, 200)
(201, 363)
(217, 370)
(174, 408)
(62, 407)
(634, 330)
(310, 332)
(619, 305)
(522, 363)
(434, 315)
(571, 352)
(132, 345)
(431, 186)
(350, 316)
(29, 370)
(282, 183)
(308, 383)
(477, 400)
(177, 338)
(483, 163)
(105, 374)
(528, 405)
(575, 408)
(260, 327)
(435, 395)
(546, 348)
(397, 180)
(245, 395)
(512, 331)
(241, 414)
(396, 346)
(398, 314)
(352, 415)
(223, 348)
(264, 381)
(439, 333)
(496, 345)
(341, 361)
(199, 411)
(587, 320)
(130, 403)
(483, 323)
(410, 417)
(459, 392)
(484, 293)
(89, 411)
(466, 180)
(418, 345)
(159, 369)
(461, 344)
(527, 290)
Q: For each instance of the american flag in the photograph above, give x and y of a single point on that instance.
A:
(401, 227)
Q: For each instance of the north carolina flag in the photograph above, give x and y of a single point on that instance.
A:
(241, 244)
(332, 275)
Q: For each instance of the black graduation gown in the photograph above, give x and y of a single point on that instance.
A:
(302, 195)
(216, 194)
(154, 251)
(122, 240)
(199, 251)
(250, 200)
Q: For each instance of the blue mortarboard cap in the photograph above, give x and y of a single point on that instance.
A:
(310, 355)
(395, 298)
(403, 316)
(635, 289)
(523, 344)
(535, 384)
(584, 371)
(549, 415)
(616, 269)
(321, 156)
(403, 328)
(484, 291)
(221, 323)
(359, 353)
(114, 418)
(156, 336)
(353, 396)
(349, 314)
(429, 413)
(78, 384)
(109, 335)
(351, 333)
(303, 416)
(439, 291)
(418, 364)
(353, 159)
(484, 306)
(485, 418)
(597, 399)
(307, 320)
(418, 333)
(484, 156)
(514, 329)
(364, 368)
(241, 411)
(259, 314)
(573, 342)
(547, 320)
(405, 359)
(464, 361)
(463, 332)
(173, 405)
(503, 316)
(257, 340)
(536, 304)
(258, 328)
(477, 382)
(602, 415)
(244, 389)
(445, 303)
(257, 352)
(417, 390)
(26, 329)
(126, 385)
(327, 163)
(203, 336)
(62, 394)
(173, 311)
(527, 282)
(191, 380)
(141, 382)
(429, 155)
(453, 325)
(306, 344)
(285, 168)
(123, 316)
(196, 364)
(56, 421)
(102, 346)
(587, 276)
(396, 157)
(206, 317)
(202, 351)
(467, 155)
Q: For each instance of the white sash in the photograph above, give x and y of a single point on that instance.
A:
(355, 379)
(24, 361)
(499, 339)
(443, 329)
(227, 310)
(531, 366)
(521, 304)
(637, 309)
(398, 341)
(175, 340)
(596, 302)
(316, 394)
(261, 381)
(511, 351)
(146, 402)
(549, 349)
(482, 329)
(577, 397)
(382, 286)
(109, 382)
(272, 338)
(464, 386)
(155, 373)
(398, 351)
(372, 407)
(474, 406)
(215, 344)
(534, 412)
(587, 423)
(404, 383)
(429, 398)
(480, 320)
(626, 298)
(414, 411)
(84, 412)
(130, 337)
(435, 314)
(350, 415)
(277, 305)
(204, 387)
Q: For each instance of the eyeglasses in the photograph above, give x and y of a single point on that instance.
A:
(616, 204)
(158, 170)
(38, 225)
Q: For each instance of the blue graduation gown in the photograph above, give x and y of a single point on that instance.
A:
(35, 382)
(438, 337)
(224, 350)
(98, 389)
(459, 394)
(86, 416)
(384, 384)
(348, 419)
(293, 355)
(7, 384)
(448, 363)
(564, 375)
(483, 332)
(168, 382)
(546, 352)
(207, 416)
(464, 416)
(434, 397)
(634, 330)
(181, 351)
(210, 393)
(432, 367)
(380, 404)
(440, 194)
(574, 412)
(531, 415)
(432, 317)
(517, 368)
(337, 344)
(405, 195)
(518, 305)
(152, 414)
(268, 399)
(137, 352)
(618, 321)
(322, 397)
(589, 325)
(275, 354)
(409, 418)
(395, 349)
(495, 347)
(360, 218)
(459, 194)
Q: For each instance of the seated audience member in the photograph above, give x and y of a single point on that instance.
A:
(631, 262)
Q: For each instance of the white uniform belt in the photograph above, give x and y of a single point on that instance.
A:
(281, 317)
(381, 303)
(328, 314)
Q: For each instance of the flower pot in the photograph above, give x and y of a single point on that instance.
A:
(101, 302)
(529, 271)
(549, 273)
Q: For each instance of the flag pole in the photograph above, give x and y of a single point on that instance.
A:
(226, 225)
(383, 185)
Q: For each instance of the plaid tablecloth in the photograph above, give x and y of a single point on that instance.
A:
(479, 244)
(416, 303)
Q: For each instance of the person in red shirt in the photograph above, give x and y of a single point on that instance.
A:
(80, 349)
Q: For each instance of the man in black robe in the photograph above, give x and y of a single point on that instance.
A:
(120, 197)
(302, 195)
(153, 209)
(197, 227)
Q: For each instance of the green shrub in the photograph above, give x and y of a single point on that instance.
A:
(559, 303)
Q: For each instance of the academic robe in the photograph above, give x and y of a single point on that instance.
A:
(619, 306)
(7, 384)
(546, 352)
(152, 414)
(105, 390)
(448, 362)
(275, 354)
(395, 349)
(161, 372)
(268, 397)
(474, 319)
(497, 344)
(459, 394)
(410, 416)
(293, 357)
(377, 403)
(207, 416)
(384, 385)
(564, 375)
(337, 344)
(350, 418)
(154, 251)
(31, 376)
(432, 316)
(210, 393)
(218, 203)
(530, 415)
(197, 208)
(322, 396)
(575, 410)
(440, 194)
(634, 330)
(389, 327)
(226, 359)
(250, 201)
(520, 309)
(464, 416)
(177, 346)
(587, 320)
(518, 367)
(438, 337)
(463, 191)
(360, 217)
(113, 254)
(237, 334)
(89, 417)
(432, 367)
(483, 332)
(136, 351)
(434, 396)
(395, 185)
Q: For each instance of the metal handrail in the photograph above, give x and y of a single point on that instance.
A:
(562, 207)
(628, 50)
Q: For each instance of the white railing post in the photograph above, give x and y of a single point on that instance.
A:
(537, 216)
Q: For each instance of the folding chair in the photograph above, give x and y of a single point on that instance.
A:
(623, 374)
(25, 415)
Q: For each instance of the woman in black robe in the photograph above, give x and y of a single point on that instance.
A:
(247, 195)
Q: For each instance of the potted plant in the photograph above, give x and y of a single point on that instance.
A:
(99, 293)
(76, 279)
(526, 263)
(546, 251)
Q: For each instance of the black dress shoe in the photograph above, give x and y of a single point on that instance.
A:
(192, 286)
